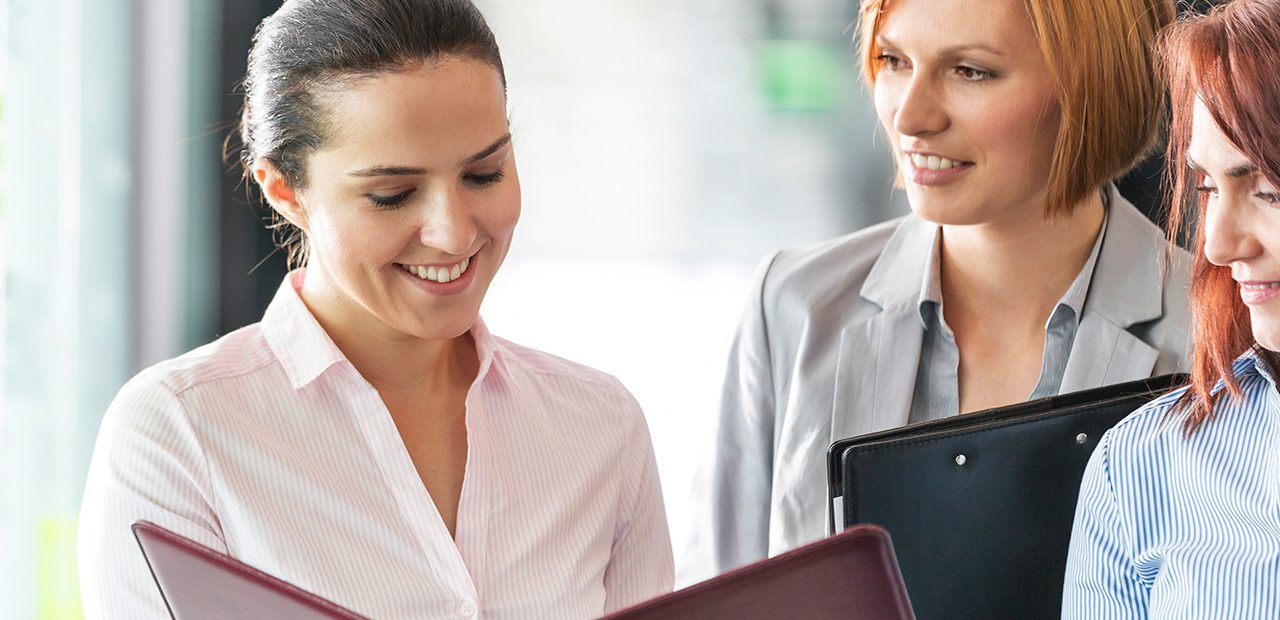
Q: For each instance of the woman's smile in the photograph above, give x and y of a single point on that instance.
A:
(932, 170)
(450, 279)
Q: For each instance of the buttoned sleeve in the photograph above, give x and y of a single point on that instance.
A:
(1101, 580)
(640, 562)
(147, 465)
(742, 466)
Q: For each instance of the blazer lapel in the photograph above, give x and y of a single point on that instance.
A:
(877, 373)
(876, 370)
(1105, 353)
(1126, 289)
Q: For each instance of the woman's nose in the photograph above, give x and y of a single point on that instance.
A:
(920, 109)
(1228, 233)
(447, 224)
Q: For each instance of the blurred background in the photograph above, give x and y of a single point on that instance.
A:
(665, 147)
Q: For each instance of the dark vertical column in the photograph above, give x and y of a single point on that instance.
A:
(244, 240)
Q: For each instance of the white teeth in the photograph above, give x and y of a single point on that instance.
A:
(1260, 287)
(439, 274)
(932, 162)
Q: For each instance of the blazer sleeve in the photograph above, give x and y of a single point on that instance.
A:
(147, 465)
(1101, 580)
(742, 463)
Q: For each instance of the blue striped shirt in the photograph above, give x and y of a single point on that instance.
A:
(1177, 526)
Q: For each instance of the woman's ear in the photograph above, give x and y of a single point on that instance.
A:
(279, 194)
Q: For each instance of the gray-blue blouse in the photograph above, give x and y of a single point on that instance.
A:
(937, 391)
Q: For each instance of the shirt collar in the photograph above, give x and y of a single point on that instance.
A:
(930, 298)
(1079, 289)
(306, 351)
(1251, 362)
(295, 336)
(931, 286)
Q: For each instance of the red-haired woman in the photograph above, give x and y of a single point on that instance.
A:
(1179, 512)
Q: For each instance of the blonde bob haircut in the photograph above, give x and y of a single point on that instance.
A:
(1101, 60)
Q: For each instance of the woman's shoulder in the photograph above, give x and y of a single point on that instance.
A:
(850, 255)
(831, 274)
(1147, 429)
(549, 371)
(236, 354)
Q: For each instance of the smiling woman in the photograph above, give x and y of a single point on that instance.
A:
(1177, 510)
(1020, 273)
(369, 440)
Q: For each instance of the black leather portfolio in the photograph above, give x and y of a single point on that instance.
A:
(980, 506)
(852, 576)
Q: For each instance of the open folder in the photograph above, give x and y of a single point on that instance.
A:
(980, 506)
(198, 583)
(853, 576)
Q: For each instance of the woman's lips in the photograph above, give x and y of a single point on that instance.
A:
(932, 170)
(1256, 292)
(441, 279)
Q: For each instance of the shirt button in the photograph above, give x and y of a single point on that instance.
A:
(467, 609)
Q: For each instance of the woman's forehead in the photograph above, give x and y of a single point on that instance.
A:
(431, 114)
(998, 24)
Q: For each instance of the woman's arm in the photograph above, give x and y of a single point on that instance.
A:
(640, 563)
(147, 465)
(742, 469)
(1101, 580)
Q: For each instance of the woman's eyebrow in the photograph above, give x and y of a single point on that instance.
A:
(490, 150)
(946, 52)
(387, 171)
(400, 171)
(1241, 171)
(956, 50)
(1234, 172)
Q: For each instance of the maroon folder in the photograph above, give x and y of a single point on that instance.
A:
(198, 583)
(850, 576)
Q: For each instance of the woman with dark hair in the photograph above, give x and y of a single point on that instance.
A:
(1179, 511)
(369, 440)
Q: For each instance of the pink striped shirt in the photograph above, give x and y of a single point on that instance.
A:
(268, 445)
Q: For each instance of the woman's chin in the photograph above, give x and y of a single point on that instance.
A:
(439, 328)
(1266, 329)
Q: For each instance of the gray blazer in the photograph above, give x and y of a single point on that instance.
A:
(830, 343)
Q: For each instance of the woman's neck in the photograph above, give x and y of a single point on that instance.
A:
(1016, 269)
(392, 361)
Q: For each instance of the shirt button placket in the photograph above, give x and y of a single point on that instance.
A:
(467, 609)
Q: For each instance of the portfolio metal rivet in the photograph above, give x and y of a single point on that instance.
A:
(960, 459)
(1081, 438)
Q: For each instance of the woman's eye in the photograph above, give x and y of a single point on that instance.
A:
(484, 180)
(890, 62)
(389, 202)
(974, 75)
(1206, 190)
(1271, 198)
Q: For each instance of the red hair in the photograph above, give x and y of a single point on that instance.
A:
(1230, 59)
(1100, 59)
